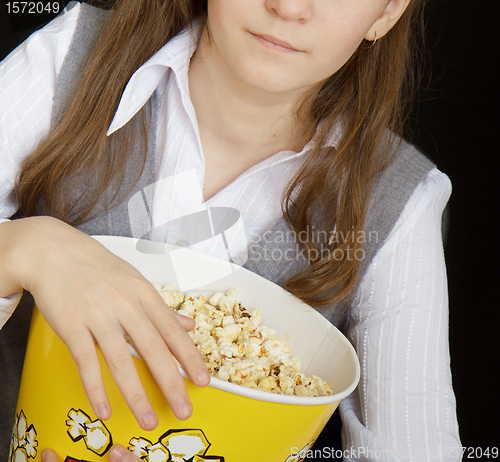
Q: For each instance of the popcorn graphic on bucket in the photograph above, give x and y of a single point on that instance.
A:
(175, 446)
(23, 445)
(95, 433)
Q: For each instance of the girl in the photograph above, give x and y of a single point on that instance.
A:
(275, 108)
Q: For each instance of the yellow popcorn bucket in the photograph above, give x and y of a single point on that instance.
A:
(230, 423)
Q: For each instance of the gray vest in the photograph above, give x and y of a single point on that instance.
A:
(391, 192)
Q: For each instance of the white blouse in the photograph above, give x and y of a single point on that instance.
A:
(404, 406)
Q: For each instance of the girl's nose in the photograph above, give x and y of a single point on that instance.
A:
(291, 10)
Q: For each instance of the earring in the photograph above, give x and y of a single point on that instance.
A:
(374, 41)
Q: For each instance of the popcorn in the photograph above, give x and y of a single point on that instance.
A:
(230, 331)
(268, 383)
(247, 348)
(275, 348)
(169, 295)
(237, 349)
(226, 304)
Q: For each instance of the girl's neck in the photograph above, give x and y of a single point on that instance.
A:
(236, 117)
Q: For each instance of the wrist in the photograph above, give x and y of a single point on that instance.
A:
(21, 248)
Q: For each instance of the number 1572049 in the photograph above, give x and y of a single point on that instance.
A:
(32, 7)
(470, 452)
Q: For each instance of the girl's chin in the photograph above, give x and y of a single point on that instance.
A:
(271, 82)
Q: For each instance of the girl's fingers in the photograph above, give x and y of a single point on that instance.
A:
(185, 321)
(120, 454)
(82, 348)
(145, 336)
(117, 354)
(48, 455)
(179, 343)
(106, 330)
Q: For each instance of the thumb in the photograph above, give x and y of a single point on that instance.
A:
(120, 454)
(48, 455)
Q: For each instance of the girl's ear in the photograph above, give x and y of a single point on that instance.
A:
(390, 16)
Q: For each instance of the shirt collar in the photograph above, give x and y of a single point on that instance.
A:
(285, 156)
(175, 55)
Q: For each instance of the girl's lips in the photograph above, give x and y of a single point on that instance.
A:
(275, 44)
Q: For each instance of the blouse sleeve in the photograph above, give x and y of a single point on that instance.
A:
(404, 406)
(28, 78)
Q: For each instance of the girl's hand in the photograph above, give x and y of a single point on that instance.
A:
(89, 296)
(116, 454)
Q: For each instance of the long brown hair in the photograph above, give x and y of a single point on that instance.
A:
(366, 98)
(369, 98)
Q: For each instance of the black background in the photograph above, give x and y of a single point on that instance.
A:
(456, 124)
